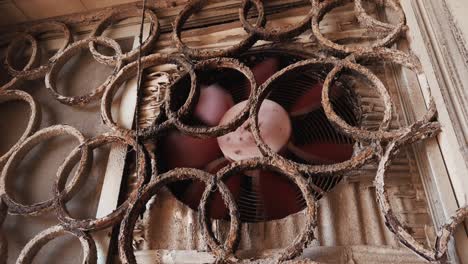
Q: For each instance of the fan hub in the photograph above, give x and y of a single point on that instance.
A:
(275, 129)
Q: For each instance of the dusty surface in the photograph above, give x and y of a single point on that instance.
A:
(378, 143)
(34, 180)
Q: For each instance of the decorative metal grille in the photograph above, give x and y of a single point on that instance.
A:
(378, 146)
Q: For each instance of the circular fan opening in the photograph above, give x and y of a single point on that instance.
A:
(260, 195)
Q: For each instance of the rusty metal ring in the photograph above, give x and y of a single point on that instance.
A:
(23, 149)
(93, 224)
(34, 120)
(358, 160)
(34, 245)
(115, 17)
(227, 249)
(407, 60)
(72, 50)
(193, 7)
(33, 60)
(263, 33)
(39, 72)
(307, 234)
(239, 119)
(370, 22)
(444, 234)
(345, 128)
(392, 222)
(129, 71)
(383, 133)
(149, 190)
(327, 5)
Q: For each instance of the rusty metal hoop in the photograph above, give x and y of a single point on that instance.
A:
(383, 134)
(130, 70)
(115, 17)
(94, 224)
(307, 233)
(392, 222)
(358, 160)
(371, 23)
(239, 119)
(327, 5)
(152, 188)
(193, 7)
(34, 119)
(38, 72)
(69, 52)
(263, 33)
(33, 60)
(20, 152)
(34, 245)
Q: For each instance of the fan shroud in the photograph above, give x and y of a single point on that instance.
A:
(285, 91)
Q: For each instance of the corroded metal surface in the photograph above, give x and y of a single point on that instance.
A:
(323, 7)
(370, 22)
(130, 71)
(274, 34)
(117, 16)
(34, 119)
(15, 82)
(378, 146)
(72, 50)
(22, 150)
(114, 217)
(191, 8)
(34, 245)
(40, 71)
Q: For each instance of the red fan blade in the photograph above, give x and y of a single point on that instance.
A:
(213, 103)
(216, 208)
(261, 71)
(322, 152)
(265, 69)
(309, 101)
(279, 195)
(186, 151)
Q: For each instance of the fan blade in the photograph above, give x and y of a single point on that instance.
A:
(316, 141)
(213, 103)
(181, 150)
(309, 101)
(216, 207)
(265, 69)
(186, 151)
(261, 71)
(322, 152)
(279, 195)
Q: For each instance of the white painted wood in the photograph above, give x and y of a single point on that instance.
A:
(124, 112)
(452, 189)
(446, 45)
(459, 9)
